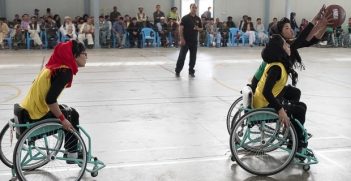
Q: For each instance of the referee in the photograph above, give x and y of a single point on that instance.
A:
(188, 32)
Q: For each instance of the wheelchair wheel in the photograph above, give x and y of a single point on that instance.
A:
(234, 113)
(40, 146)
(7, 145)
(259, 143)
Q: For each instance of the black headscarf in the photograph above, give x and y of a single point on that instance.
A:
(292, 61)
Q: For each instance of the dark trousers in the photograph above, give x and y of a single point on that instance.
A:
(297, 111)
(72, 116)
(181, 58)
(292, 94)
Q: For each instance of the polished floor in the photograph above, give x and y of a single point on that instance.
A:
(148, 125)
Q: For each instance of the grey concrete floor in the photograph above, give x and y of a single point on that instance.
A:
(147, 125)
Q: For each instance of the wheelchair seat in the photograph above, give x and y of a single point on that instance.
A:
(21, 116)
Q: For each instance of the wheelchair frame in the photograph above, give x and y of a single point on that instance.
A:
(96, 164)
(306, 156)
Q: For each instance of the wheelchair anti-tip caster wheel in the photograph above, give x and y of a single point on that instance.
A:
(306, 167)
(232, 158)
(94, 174)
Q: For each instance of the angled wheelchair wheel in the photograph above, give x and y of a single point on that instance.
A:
(7, 144)
(259, 143)
(40, 148)
(234, 113)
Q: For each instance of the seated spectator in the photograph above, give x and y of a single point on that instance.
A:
(148, 23)
(249, 31)
(16, 18)
(173, 27)
(25, 22)
(108, 21)
(224, 31)
(34, 30)
(242, 22)
(261, 34)
(86, 31)
(119, 30)
(211, 32)
(68, 29)
(303, 24)
(230, 23)
(162, 31)
(4, 30)
(57, 20)
(134, 33)
(104, 28)
(50, 28)
(275, 20)
(18, 35)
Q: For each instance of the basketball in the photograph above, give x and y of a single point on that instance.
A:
(337, 13)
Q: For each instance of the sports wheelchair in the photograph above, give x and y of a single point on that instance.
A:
(259, 143)
(39, 154)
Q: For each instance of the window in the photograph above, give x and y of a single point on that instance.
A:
(203, 5)
(186, 7)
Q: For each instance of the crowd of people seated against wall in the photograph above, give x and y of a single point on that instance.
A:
(124, 31)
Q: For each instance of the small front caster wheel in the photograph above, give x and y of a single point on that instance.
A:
(94, 174)
(306, 167)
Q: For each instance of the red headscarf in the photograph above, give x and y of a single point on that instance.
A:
(63, 56)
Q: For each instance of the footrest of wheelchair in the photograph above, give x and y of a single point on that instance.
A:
(307, 157)
(98, 165)
(309, 135)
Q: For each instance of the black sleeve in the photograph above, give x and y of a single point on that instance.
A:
(301, 41)
(58, 82)
(273, 76)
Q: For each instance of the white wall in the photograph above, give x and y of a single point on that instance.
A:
(130, 7)
(62, 7)
(222, 8)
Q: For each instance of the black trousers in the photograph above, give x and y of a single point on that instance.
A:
(192, 47)
(72, 116)
(297, 110)
(291, 94)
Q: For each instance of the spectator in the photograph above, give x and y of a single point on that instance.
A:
(261, 34)
(162, 31)
(50, 28)
(173, 14)
(86, 31)
(274, 22)
(36, 12)
(249, 31)
(25, 22)
(108, 21)
(141, 16)
(207, 14)
(114, 14)
(104, 28)
(293, 23)
(211, 32)
(120, 32)
(173, 27)
(16, 18)
(68, 30)
(158, 14)
(230, 23)
(242, 22)
(134, 33)
(224, 30)
(34, 30)
(303, 24)
(4, 30)
(48, 12)
(18, 35)
(57, 20)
